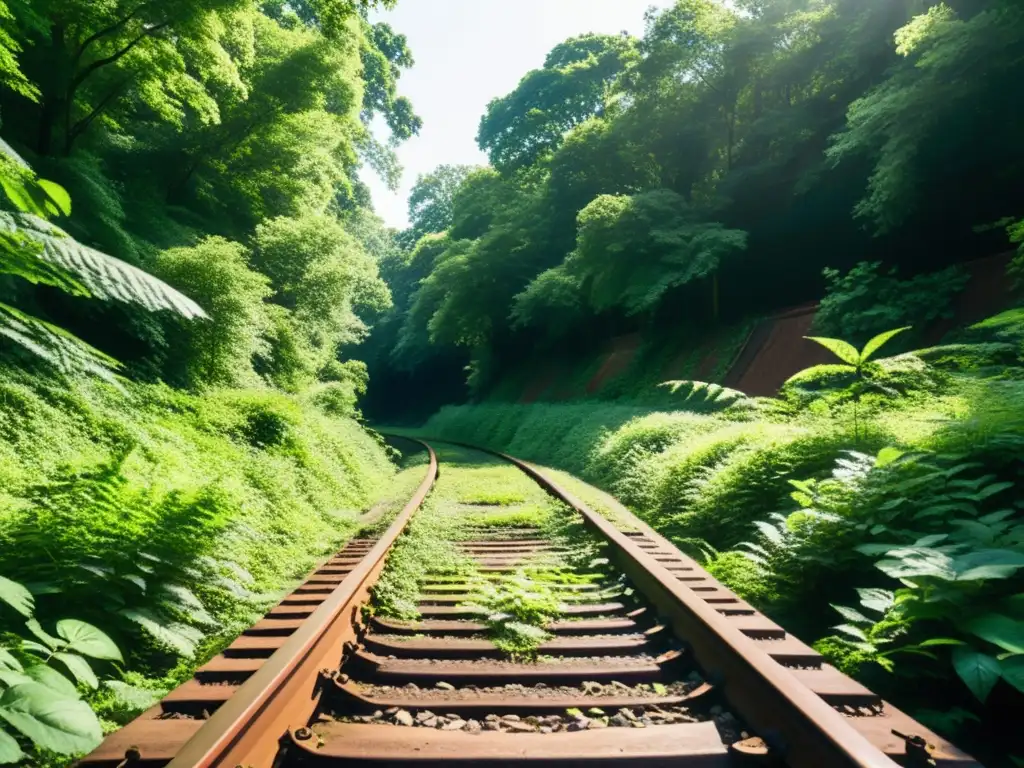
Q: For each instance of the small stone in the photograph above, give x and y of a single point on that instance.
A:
(592, 688)
(404, 718)
(540, 685)
(532, 720)
(657, 717)
(454, 725)
(343, 679)
(595, 711)
(638, 724)
(473, 726)
(546, 729)
(597, 724)
(627, 713)
(426, 714)
(620, 686)
(619, 721)
(517, 727)
(450, 716)
(442, 685)
(391, 711)
(430, 722)
(744, 735)
(646, 720)
(492, 725)
(716, 710)
(441, 721)
(511, 718)
(492, 718)
(578, 725)
(411, 687)
(378, 715)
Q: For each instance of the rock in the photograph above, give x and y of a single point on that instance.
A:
(658, 717)
(638, 724)
(454, 725)
(627, 713)
(592, 688)
(546, 729)
(645, 721)
(540, 685)
(597, 724)
(511, 719)
(426, 714)
(619, 721)
(430, 722)
(444, 686)
(391, 711)
(378, 715)
(744, 735)
(492, 725)
(620, 686)
(532, 720)
(716, 710)
(492, 718)
(402, 717)
(411, 687)
(595, 711)
(473, 726)
(578, 725)
(450, 716)
(517, 727)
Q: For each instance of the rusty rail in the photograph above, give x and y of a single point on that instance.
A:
(804, 713)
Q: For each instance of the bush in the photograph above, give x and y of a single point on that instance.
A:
(868, 300)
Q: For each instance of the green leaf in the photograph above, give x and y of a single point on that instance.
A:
(979, 671)
(888, 456)
(852, 615)
(11, 677)
(65, 726)
(47, 639)
(879, 600)
(88, 640)
(1013, 671)
(132, 697)
(992, 490)
(841, 349)
(999, 630)
(16, 596)
(179, 637)
(10, 752)
(876, 343)
(853, 631)
(56, 193)
(931, 541)
(54, 680)
(988, 564)
(660, 689)
(941, 641)
(79, 668)
(8, 661)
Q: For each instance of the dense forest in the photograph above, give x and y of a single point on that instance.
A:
(198, 304)
(709, 171)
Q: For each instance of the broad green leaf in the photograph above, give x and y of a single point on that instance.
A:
(931, 541)
(65, 726)
(79, 668)
(47, 639)
(12, 677)
(941, 641)
(988, 564)
(992, 490)
(179, 637)
(841, 349)
(888, 456)
(879, 600)
(59, 195)
(10, 752)
(7, 660)
(16, 596)
(88, 640)
(1013, 671)
(876, 343)
(980, 672)
(999, 630)
(54, 680)
(852, 615)
(770, 532)
(853, 631)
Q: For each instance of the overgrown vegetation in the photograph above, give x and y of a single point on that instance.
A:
(883, 487)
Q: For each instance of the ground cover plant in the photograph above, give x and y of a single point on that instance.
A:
(872, 507)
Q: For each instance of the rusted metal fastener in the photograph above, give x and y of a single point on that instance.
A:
(303, 734)
(132, 756)
(918, 750)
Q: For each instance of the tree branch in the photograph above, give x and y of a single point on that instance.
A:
(99, 63)
(80, 127)
(107, 31)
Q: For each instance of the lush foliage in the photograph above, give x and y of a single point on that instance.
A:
(882, 486)
(709, 172)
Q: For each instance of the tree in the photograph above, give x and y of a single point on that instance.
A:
(632, 250)
(529, 124)
(431, 201)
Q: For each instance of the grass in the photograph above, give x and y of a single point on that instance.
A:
(171, 520)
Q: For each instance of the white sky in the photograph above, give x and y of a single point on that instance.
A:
(468, 52)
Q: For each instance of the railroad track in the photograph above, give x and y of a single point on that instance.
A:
(649, 662)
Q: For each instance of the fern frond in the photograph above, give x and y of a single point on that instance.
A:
(63, 350)
(104, 276)
(704, 392)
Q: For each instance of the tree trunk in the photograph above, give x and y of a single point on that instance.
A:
(51, 105)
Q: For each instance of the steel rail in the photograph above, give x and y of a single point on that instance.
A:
(800, 727)
(244, 727)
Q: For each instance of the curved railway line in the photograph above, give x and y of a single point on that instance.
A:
(651, 662)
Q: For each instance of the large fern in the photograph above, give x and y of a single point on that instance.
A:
(33, 249)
